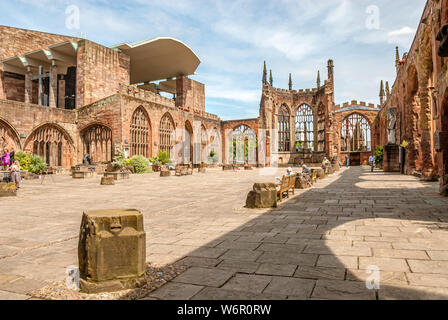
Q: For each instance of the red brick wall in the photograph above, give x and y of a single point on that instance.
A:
(190, 94)
(14, 85)
(100, 72)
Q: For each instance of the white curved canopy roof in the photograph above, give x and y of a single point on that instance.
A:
(159, 58)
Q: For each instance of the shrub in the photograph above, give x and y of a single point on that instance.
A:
(379, 154)
(140, 164)
(24, 160)
(119, 160)
(163, 157)
(37, 165)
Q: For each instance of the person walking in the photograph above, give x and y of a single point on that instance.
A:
(372, 162)
(15, 174)
(347, 161)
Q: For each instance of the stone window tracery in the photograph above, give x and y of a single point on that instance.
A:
(284, 139)
(304, 128)
(355, 134)
(140, 133)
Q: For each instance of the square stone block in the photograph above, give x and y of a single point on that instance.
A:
(111, 250)
(117, 175)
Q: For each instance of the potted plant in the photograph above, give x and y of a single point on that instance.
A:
(213, 157)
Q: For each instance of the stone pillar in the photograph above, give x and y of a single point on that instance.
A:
(28, 86)
(2, 91)
(391, 159)
(53, 85)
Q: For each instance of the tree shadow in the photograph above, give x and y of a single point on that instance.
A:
(324, 243)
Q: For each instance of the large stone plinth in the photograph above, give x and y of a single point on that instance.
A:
(165, 173)
(263, 195)
(391, 158)
(107, 181)
(111, 250)
(8, 189)
(117, 175)
(83, 174)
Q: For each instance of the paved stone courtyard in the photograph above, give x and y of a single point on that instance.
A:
(317, 245)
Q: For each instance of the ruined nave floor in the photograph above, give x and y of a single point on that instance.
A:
(317, 245)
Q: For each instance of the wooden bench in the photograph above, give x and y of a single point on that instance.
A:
(288, 184)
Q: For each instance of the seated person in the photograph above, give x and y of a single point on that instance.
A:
(289, 172)
(306, 170)
(325, 163)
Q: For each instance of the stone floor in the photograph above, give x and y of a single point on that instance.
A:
(320, 244)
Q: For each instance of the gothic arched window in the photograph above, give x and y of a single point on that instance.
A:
(140, 133)
(304, 128)
(355, 134)
(284, 139)
(165, 133)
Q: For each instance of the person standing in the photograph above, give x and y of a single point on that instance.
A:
(372, 162)
(12, 155)
(6, 159)
(347, 161)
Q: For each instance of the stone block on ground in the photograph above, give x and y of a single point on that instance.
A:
(83, 174)
(263, 195)
(320, 173)
(165, 173)
(117, 175)
(111, 250)
(8, 189)
(303, 181)
(107, 181)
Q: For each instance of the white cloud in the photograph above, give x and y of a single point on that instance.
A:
(401, 32)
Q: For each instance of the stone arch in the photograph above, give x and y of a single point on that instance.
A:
(356, 133)
(140, 133)
(204, 143)
(53, 143)
(9, 137)
(188, 143)
(244, 145)
(215, 144)
(166, 133)
(97, 140)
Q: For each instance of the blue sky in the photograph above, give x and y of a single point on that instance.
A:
(233, 38)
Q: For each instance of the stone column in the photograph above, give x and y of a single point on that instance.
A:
(28, 86)
(2, 91)
(53, 84)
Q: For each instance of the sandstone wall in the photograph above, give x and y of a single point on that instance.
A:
(100, 72)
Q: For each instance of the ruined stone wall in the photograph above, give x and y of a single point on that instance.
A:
(190, 95)
(21, 120)
(320, 100)
(100, 72)
(370, 116)
(17, 42)
(14, 86)
(413, 95)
